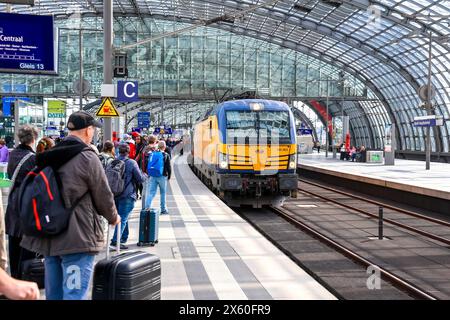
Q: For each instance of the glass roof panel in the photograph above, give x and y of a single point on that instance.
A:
(352, 42)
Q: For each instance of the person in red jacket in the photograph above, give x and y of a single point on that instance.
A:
(127, 139)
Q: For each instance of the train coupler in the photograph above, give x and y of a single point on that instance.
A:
(258, 192)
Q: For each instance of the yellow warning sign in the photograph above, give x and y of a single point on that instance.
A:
(107, 109)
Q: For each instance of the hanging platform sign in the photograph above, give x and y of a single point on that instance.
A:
(143, 119)
(428, 121)
(107, 109)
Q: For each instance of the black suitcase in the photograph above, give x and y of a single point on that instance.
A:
(128, 276)
(148, 224)
(148, 228)
(34, 270)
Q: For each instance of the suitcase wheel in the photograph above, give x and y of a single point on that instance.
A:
(146, 244)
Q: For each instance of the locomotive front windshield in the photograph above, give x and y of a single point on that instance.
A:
(258, 127)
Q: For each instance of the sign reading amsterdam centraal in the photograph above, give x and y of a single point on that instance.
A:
(28, 44)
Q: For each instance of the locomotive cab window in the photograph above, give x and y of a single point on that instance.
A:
(250, 127)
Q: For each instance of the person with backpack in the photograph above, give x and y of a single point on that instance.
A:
(108, 154)
(126, 200)
(151, 146)
(22, 160)
(159, 171)
(62, 221)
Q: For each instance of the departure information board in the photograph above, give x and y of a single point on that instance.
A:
(28, 44)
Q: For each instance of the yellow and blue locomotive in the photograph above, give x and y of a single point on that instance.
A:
(246, 151)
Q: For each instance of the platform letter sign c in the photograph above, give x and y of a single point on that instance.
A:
(127, 91)
(374, 280)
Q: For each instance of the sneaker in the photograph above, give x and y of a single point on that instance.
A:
(123, 247)
(113, 246)
(164, 212)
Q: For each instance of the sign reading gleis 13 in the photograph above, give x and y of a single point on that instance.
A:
(28, 44)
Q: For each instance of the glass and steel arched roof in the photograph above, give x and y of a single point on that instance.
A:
(383, 42)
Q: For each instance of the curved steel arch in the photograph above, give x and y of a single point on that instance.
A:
(331, 60)
(325, 31)
(359, 4)
(301, 116)
(309, 24)
(308, 51)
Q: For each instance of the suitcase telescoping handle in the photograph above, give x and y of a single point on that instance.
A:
(108, 253)
(144, 191)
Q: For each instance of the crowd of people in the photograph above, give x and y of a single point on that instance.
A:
(353, 153)
(98, 183)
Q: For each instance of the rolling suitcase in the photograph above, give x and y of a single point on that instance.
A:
(127, 276)
(148, 224)
(148, 228)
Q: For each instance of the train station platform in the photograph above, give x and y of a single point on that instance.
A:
(208, 252)
(406, 177)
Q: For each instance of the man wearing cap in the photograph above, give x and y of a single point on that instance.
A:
(69, 256)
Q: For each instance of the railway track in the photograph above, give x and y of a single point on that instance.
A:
(395, 280)
(401, 283)
(388, 210)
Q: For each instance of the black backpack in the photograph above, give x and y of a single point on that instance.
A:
(42, 210)
(115, 173)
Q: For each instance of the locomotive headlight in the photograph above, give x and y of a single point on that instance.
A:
(255, 106)
(293, 162)
(223, 161)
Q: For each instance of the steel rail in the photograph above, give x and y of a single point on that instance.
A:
(393, 222)
(395, 280)
(384, 205)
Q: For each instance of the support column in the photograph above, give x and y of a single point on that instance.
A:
(107, 58)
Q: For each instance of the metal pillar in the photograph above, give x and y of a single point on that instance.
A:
(107, 58)
(327, 122)
(429, 106)
(125, 128)
(161, 123)
(390, 145)
(16, 123)
(117, 126)
(81, 67)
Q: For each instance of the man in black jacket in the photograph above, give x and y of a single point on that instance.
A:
(24, 156)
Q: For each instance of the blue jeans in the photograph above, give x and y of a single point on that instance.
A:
(124, 207)
(68, 277)
(125, 234)
(152, 188)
